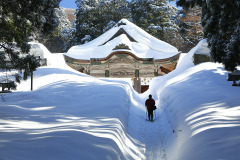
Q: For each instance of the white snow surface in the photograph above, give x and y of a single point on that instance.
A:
(70, 115)
(146, 46)
(203, 48)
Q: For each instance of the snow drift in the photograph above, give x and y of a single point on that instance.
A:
(202, 109)
(70, 115)
(67, 116)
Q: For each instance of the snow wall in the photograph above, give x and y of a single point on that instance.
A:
(68, 115)
(202, 109)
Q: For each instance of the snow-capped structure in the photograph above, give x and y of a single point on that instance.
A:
(140, 43)
(202, 54)
(40, 51)
(124, 51)
(199, 54)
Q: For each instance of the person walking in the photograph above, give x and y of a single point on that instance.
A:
(150, 103)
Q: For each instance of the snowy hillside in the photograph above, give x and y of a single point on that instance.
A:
(71, 116)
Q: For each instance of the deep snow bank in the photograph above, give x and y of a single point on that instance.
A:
(203, 111)
(69, 115)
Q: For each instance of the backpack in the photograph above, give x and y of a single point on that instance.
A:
(154, 107)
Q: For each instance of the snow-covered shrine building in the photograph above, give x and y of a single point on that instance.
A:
(124, 51)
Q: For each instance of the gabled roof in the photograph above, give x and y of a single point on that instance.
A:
(119, 32)
(141, 44)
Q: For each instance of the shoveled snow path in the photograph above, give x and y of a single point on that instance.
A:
(151, 134)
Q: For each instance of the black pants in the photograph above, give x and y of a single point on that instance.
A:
(150, 114)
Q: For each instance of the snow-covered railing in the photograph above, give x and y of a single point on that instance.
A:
(234, 76)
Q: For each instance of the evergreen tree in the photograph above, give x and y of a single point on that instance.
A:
(157, 18)
(18, 20)
(141, 13)
(58, 40)
(190, 27)
(94, 17)
(220, 20)
(86, 20)
(120, 9)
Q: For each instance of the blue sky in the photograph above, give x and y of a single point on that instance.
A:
(71, 4)
(68, 4)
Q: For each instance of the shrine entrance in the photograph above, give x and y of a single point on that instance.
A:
(125, 51)
(124, 64)
(144, 88)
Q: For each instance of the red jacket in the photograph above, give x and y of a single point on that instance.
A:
(149, 103)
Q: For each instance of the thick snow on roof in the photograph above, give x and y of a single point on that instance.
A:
(186, 60)
(146, 46)
(39, 49)
(203, 48)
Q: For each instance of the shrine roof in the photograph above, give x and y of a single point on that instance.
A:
(140, 43)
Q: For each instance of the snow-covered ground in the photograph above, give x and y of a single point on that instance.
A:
(202, 110)
(71, 116)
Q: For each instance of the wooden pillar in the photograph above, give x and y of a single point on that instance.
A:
(137, 84)
(107, 73)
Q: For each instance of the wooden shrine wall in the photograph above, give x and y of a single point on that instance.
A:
(121, 64)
